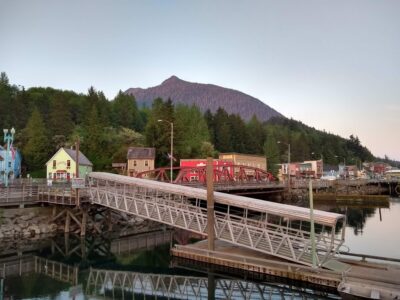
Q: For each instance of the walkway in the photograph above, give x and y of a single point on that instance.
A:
(271, 228)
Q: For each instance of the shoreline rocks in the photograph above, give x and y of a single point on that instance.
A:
(26, 225)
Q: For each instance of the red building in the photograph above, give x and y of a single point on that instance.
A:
(193, 174)
(378, 168)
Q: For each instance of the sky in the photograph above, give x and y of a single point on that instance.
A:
(334, 65)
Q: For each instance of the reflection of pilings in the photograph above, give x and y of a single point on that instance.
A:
(19, 266)
(56, 270)
(102, 245)
(114, 283)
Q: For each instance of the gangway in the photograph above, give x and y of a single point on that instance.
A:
(271, 228)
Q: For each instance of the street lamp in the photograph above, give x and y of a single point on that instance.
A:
(8, 138)
(289, 188)
(172, 145)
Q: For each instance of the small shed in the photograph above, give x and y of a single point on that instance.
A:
(62, 165)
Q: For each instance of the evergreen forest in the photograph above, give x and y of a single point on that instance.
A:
(46, 119)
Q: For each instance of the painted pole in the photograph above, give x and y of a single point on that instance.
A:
(210, 204)
(6, 167)
(312, 229)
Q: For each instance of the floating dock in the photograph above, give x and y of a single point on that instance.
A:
(384, 279)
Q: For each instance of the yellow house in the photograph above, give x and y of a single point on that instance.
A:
(62, 165)
(250, 160)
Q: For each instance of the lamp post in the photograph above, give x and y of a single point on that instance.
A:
(8, 138)
(289, 187)
(172, 145)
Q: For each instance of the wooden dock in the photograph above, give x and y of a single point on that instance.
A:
(383, 277)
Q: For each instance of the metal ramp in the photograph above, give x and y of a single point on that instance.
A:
(271, 228)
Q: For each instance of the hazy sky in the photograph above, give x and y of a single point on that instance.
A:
(334, 65)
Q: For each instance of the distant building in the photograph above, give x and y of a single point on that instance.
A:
(140, 159)
(316, 167)
(306, 169)
(119, 167)
(376, 168)
(14, 163)
(193, 175)
(62, 166)
(249, 160)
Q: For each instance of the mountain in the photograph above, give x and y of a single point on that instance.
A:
(205, 96)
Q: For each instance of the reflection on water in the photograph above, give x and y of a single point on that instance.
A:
(139, 266)
(135, 267)
(371, 230)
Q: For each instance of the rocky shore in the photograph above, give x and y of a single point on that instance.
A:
(25, 224)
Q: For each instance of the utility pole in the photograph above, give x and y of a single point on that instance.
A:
(312, 229)
(210, 204)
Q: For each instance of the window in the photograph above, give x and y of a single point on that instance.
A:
(146, 163)
(68, 164)
(50, 175)
(134, 163)
(54, 164)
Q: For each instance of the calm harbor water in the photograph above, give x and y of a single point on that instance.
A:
(139, 266)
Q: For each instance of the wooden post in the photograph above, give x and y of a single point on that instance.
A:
(84, 221)
(210, 204)
(211, 285)
(67, 221)
(77, 170)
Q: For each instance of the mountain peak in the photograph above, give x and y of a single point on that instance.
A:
(172, 79)
(205, 96)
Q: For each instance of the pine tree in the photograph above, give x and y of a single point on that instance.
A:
(36, 150)
(272, 153)
(125, 112)
(60, 121)
(191, 131)
(222, 131)
(93, 142)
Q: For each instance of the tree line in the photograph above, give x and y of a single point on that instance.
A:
(47, 119)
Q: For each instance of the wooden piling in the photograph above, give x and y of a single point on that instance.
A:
(210, 204)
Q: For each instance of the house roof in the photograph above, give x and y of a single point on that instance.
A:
(83, 160)
(141, 153)
(243, 154)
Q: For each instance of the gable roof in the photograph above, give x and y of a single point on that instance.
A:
(141, 153)
(83, 160)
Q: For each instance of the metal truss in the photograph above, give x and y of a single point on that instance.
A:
(120, 284)
(283, 235)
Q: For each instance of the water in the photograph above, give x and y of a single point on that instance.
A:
(140, 266)
(371, 230)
